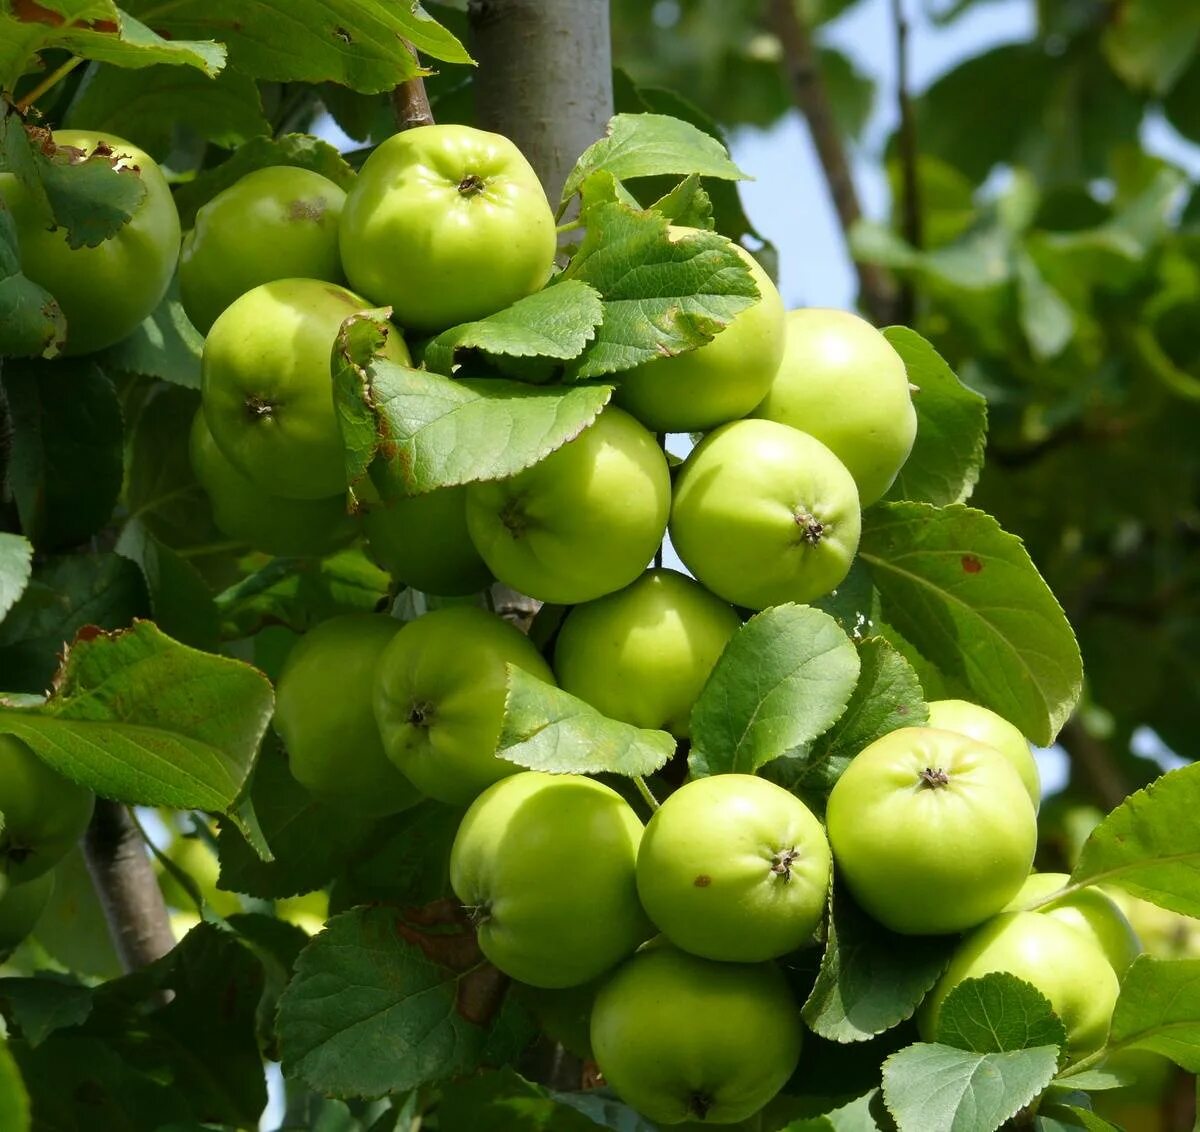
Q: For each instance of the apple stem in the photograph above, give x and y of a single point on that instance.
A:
(644, 790)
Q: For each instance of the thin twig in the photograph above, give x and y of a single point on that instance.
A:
(808, 89)
(125, 883)
(52, 79)
(909, 173)
(410, 103)
(1093, 758)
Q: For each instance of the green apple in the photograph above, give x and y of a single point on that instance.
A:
(1163, 933)
(423, 542)
(1089, 911)
(1064, 964)
(324, 713)
(581, 523)
(446, 224)
(104, 291)
(439, 695)
(720, 381)
(275, 223)
(764, 514)
(21, 907)
(683, 1038)
(44, 813)
(545, 863)
(985, 726)
(267, 387)
(270, 523)
(733, 867)
(932, 832)
(841, 381)
(643, 654)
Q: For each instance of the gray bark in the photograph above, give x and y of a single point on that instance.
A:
(544, 79)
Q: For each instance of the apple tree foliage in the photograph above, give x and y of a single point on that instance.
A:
(138, 646)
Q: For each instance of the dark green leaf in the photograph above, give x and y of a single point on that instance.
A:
(158, 107)
(870, 979)
(16, 567)
(413, 984)
(65, 462)
(362, 44)
(63, 596)
(39, 1006)
(555, 323)
(951, 427)
(967, 596)
(431, 431)
(661, 296)
(310, 839)
(646, 145)
(998, 1012)
(784, 678)
(954, 1090)
(1150, 844)
(140, 718)
(545, 728)
(1159, 1010)
(165, 344)
(181, 603)
(687, 204)
(32, 324)
(1150, 42)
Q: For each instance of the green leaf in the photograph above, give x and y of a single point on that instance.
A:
(998, 1012)
(180, 601)
(14, 1099)
(301, 150)
(1150, 844)
(361, 44)
(41, 1005)
(309, 838)
(661, 297)
(63, 596)
(93, 29)
(1045, 316)
(405, 860)
(65, 463)
(951, 427)
(545, 728)
(300, 592)
(555, 323)
(1150, 42)
(140, 718)
(784, 678)
(1159, 1010)
(73, 930)
(687, 204)
(432, 431)
(1064, 1118)
(646, 145)
(16, 567)
(32, 324)
(159, 107)
(413, 984)
(966, 595)
(870, 979)
(164, 344)
(887, 696)
(935, 1086)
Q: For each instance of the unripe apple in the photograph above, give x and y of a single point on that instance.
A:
(841, 381)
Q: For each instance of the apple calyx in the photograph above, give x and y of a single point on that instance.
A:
(700, 1104)
(512, 517)
(781, 862)
(420, 714)
(258, 408)
(934, 778)
(471, 185)
(812, 530)
(478, 913)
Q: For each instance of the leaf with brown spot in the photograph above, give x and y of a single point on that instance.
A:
(383, 1001)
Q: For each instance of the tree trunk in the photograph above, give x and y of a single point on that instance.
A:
(544, 79)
